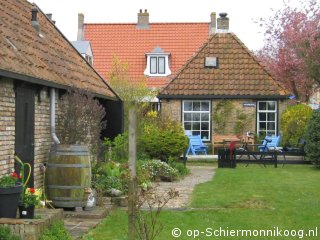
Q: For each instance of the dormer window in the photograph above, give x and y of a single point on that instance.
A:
(157, 63)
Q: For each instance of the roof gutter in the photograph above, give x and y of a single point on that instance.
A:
(40, 81)
(162, 96)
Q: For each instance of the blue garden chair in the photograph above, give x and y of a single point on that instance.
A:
(269, 143)
(196, 145)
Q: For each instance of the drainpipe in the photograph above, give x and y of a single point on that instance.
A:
(53, 116)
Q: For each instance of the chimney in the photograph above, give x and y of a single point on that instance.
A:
(143, 19)
(223, 23)
(34, 19)
(49, 15)
(213, 23)
(80, 36)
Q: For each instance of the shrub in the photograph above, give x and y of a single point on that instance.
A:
(81, 119)
(312, 147)
(179, 166)
(294, 123)
(57, 231)
(160, 170)
(110, 175)
(119, 148)
(6, 234)
(163, 139)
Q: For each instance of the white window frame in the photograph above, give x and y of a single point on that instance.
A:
(167, 70)
(266, 121)
(200, 121)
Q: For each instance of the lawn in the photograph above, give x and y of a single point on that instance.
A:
(238, 199)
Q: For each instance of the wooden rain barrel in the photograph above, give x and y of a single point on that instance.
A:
(68, 175)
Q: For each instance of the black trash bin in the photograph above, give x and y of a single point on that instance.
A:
(226, 158)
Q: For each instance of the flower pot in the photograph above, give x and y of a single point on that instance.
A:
(9, 200)
(26, 212)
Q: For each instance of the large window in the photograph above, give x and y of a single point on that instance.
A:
(267, 118)
(196, 118)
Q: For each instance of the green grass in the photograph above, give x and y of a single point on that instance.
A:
(244, 198)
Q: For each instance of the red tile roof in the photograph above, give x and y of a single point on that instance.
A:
(49, 59)
(130, 44)
(239, 74)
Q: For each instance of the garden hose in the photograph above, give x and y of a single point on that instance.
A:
(22, 168)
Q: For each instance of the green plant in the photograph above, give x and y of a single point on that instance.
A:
(294, 123)
(117, 150)
(5, 234)
(160, 170)
(179, 166)
(31, 197)
(312, 147)
(57, 231)
(220, 115)
(9, 181)
(163, 139)
(242, 122)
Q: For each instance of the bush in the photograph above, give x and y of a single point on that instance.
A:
(57, 231)
(110, 175)
(160, 170)
(163, 139)
(312, 147)
(294, 123)
(5, 234)
(179, 166)
(119, 148)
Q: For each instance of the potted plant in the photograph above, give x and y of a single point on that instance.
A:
(10, 192)
(30, 198)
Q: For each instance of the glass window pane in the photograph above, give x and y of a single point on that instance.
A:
(187, 126)
(271, 116)
(262, 116)
(204, 116)
(195, 126)
(187, 106)
(187, 117)
(204, 126)
(271, 126)
(271, 105)
(161, 65)
(204, 106)
(205, 135)
(262, 126)
(153, 65)
(262, 106)
(195, 133)
(270, 133)
(196, 117)
(196, 106)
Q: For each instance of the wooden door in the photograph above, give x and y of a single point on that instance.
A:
(24, 127)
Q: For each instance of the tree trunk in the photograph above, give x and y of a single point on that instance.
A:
(132, 195)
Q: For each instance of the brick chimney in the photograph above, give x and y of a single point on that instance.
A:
(213, 23)
(143, 19)
(34, 19)
(223, 23)
(80, 36)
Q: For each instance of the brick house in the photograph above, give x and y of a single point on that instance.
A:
(224, 69)
(37, 65)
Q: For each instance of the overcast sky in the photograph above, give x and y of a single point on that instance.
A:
(242, 13)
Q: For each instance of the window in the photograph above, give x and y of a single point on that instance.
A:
(196, 118)
(157, 63)
(267, 118)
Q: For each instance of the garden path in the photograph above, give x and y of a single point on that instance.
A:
(198, 174)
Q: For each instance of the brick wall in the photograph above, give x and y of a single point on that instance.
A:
(7, 126)
(42, 133)
(171, 109)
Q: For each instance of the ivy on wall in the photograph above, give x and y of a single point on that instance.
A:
(220, 115)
